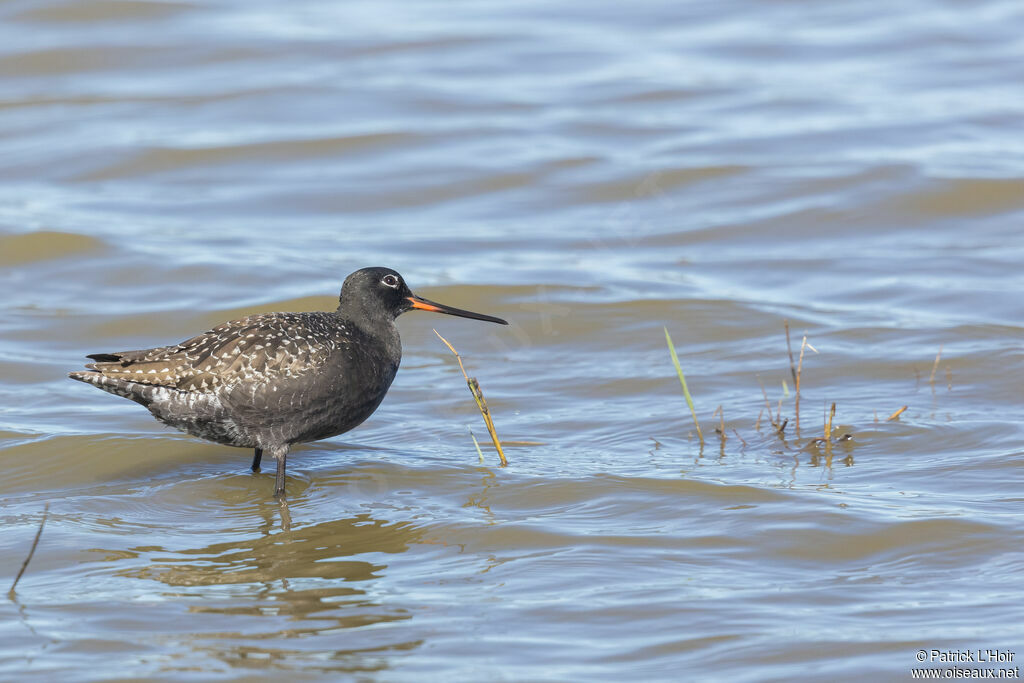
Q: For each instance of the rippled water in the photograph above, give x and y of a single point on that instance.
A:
(593, 173)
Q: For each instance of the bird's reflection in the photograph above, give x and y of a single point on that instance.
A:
(286, 515)
(275, 589)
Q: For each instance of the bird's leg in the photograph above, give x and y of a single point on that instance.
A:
(280, 454)
(256, 460)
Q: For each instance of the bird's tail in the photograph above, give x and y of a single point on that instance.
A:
(140, 393)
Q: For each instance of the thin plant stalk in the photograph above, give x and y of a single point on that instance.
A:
(799, 372)
(481, 403)
(721, 423)
(935, 366)
(828, 429)
(31, 551)
(792, 367)
(799, 376)
(767, 404)
(477, 444)
(682, 381)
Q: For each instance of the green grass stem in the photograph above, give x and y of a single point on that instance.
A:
(477, 444)
(682, 380)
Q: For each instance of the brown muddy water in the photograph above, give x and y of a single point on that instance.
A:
(593, 173)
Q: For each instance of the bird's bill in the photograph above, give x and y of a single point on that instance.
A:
(426, 305)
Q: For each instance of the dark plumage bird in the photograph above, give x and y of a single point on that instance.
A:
(272, 380)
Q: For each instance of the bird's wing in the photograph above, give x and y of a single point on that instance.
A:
(260, 348)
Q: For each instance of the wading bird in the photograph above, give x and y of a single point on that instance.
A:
(276, 379)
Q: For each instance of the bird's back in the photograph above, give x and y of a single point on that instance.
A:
(275, 377)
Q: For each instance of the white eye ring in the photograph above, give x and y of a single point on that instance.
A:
(390, 281)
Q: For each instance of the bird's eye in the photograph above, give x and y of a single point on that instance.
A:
(390, 281)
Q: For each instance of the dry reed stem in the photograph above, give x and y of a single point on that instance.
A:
(796, 383)
(894, 416)
(767, 404)
(828, 429)
(935, 366)
(799, 377)
(742, 440)
(789, 349)
(721, 423)
(31, 551)
(481, 402)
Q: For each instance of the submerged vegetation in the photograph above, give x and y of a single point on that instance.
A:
(818, 445)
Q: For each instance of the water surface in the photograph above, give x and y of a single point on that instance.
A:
(593, 174)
